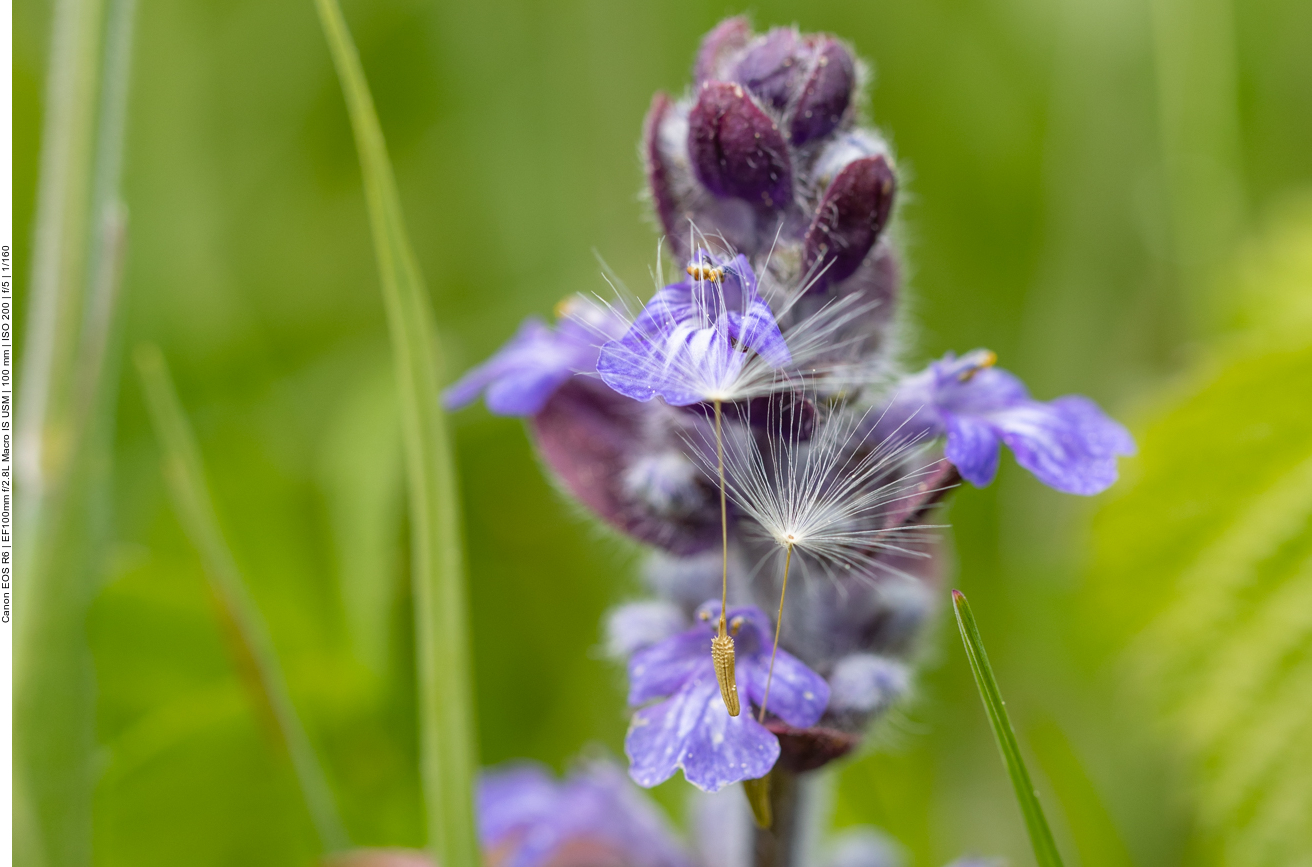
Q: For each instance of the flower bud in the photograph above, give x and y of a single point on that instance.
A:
(729, 37)
(848, 222)
(632, 627)
(736, 150)
(826, 94)
(774, 67)
(866, 683)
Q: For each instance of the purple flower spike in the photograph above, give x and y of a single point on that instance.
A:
(736, 150)
(528, 819)
(1068, 443)
(527, 371)
(697, 340)
(826, 95)
(691, 729)
(851, 215)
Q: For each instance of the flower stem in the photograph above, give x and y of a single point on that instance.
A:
(778, 624)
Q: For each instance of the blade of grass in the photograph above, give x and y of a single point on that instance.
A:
(1045, 848)
(447, 736)
(185, 475)
(66, 425)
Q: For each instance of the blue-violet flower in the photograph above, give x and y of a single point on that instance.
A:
(523, 374)
(528, 819)
(690, 728)
(709, 337)
(1069, 443)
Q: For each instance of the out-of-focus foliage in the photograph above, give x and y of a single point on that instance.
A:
(1213, 543)
(1039, 223)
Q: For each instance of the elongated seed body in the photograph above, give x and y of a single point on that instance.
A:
(722, 656)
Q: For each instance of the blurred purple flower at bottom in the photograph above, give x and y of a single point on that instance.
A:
(593, 818)
(523, 374)
(691, 729)
(1069, 443)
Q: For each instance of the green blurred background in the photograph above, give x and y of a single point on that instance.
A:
(1112, 194)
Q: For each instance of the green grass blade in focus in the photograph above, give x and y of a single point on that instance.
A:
(185, 475)
(1045, 848)
(447, 737)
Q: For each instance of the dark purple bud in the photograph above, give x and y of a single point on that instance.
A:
(826, 94)
(587, 434)
(658, 170)
(729, 36)
(736, 150)
(773, 68)
(848, 222)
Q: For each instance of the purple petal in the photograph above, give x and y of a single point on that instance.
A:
(798, 695)
(510, 798)
(663, 668)
(726, 749)
(1102, 435)
(527, 371)
(969, 386)
(655, 741)
(972, 448)
(525, 392)
(638, 625)
(531, 337)
(693, 731)
(1054, 447)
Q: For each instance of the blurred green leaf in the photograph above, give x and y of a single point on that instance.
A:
(1045, 848)
(360, 472)
(68, 398)
(255, 653)
(1210, 552)
(446, 701)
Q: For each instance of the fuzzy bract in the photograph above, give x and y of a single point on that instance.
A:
(1069, 443)
(690, 728)
(527, 818)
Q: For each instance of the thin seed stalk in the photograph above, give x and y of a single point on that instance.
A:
(722, 655)
(778, 624)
